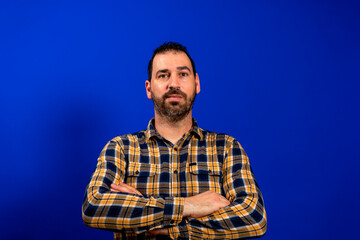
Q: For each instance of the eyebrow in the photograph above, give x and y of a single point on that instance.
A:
(183, 68)
(162, 71)
(178, 68)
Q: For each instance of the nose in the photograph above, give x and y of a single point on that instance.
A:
(174, 81)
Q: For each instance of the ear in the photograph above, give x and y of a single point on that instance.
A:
(148, 89)
(197, 82)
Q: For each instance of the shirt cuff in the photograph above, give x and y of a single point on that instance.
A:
(173, 211)
(174, 232)
(180, 231)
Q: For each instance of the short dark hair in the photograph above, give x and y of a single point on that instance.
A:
(166, 47)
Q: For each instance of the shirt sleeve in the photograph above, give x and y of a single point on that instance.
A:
(117, 211)
(245, 217)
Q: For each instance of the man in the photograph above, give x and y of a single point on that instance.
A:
(174, 180)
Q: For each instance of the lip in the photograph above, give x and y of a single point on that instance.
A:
(175, 97)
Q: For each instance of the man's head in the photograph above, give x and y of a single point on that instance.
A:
(174, 84)
(167, 47)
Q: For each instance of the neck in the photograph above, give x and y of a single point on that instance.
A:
(173, 131)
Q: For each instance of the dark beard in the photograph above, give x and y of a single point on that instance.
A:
(174, 111)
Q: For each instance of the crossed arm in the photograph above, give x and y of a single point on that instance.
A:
(196, 206)
(209, 215)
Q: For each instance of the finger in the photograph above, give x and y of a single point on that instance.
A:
(224, 201)
(160, 231)
(130, 189)
(122, 187)
(118, 188)
(115, 187)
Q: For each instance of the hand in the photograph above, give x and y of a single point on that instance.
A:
(122, 187)
(160, 231)
(204, 204)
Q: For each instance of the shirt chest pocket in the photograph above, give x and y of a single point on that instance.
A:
(205, 176)
(142, 177)
(142, 169)
(207, 168)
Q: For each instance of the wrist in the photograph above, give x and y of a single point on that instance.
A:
(187, 207)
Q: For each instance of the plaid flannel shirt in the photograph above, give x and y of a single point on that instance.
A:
(165, 174)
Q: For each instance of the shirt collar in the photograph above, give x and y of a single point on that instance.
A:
(151, 131)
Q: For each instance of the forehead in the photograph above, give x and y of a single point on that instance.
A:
(170, 60)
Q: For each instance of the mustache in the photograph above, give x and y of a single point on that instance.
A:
(174, 91)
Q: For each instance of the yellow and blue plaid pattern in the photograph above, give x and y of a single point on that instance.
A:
(165, 174)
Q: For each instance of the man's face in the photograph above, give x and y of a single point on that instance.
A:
(173, 86)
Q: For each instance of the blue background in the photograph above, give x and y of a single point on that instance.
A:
(280, 76)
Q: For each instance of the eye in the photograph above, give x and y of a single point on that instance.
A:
(163, 75)
(184, 74)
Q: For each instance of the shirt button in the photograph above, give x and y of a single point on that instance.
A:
(175, 171)
(172, 222)
(209, 171)
(137, 172)
(175, 148)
